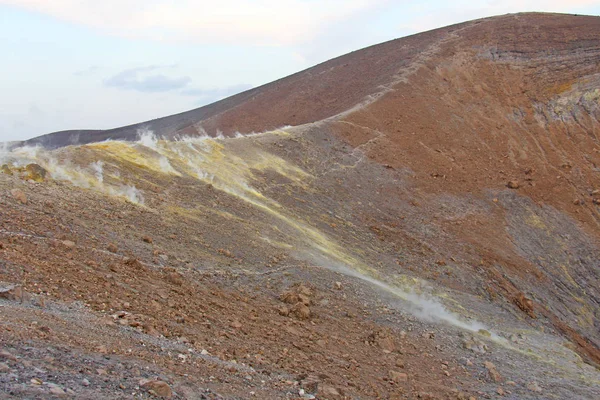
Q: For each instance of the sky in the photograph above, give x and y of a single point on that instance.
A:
(89, 64)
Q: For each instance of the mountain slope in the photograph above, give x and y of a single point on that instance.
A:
(424, 226)
(338, 85)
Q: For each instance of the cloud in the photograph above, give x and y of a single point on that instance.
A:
(87, 71)
(137, 79)
(257, 22)
(214, 94)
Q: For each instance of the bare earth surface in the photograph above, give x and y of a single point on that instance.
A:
(425, 225)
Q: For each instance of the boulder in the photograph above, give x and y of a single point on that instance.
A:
(513, 184)
(382, 339)
(289, 297)
(493, 373)
(35, 172)
(398, 377)
(19, 195)
(157, 387)
(534, 387)
(328, 392)
(475, 345)
(5, 169)
(525, 304)
(68, 244)
(301, 311)
(12, 293)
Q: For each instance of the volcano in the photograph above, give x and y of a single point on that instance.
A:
(416, 219)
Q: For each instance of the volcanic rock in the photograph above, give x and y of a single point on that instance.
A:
(398, 376)
(5, 169)
(491, 368)
(12, 292)
(5, 354)
(382, 339)
(19, 195)
(475, 345)
(157, 387)
(438, 240)
(56, 390)
(513, 184)
(301, 311)
(310, 383)
(525, 304)
(289, 297)
(35, 172)
(326, 391)
(68, 244)
(534, 387)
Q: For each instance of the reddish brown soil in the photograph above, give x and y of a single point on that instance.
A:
(466, 156)
(128, 312)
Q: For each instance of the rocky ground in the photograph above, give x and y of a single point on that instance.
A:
(105, 298)
(427, 228)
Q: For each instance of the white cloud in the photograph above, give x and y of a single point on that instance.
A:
(258, 22)
(139, 79)
(91, 70)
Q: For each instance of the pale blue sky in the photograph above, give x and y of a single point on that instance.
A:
(69, 64)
